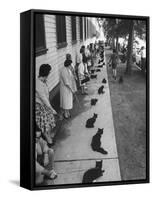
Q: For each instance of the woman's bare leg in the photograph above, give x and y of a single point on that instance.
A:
(50, 165)
(47, 138)
(52, 133)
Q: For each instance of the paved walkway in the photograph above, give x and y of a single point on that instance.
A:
(73, 153)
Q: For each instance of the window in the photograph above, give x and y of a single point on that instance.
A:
(81, 29)
(73, 25)
(61, 31)
(40, 41)
(85, 30)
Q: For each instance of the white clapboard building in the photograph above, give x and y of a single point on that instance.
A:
(57, 35)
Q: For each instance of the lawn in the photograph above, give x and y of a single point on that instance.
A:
(129, 114)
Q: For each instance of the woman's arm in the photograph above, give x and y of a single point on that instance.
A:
(42, 95)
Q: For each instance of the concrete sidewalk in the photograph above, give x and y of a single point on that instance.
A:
(73, 153)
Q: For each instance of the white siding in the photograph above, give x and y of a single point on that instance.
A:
(55, 57)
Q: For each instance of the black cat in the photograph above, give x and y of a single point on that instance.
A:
(93, 102)
(96, 142)
(100, 66)
(92, 71)
(92, 76)
(90, 122)
(104, 80)
(120, 79)
(101, 90)
(92, 174)
(98, 70)
(100, 61)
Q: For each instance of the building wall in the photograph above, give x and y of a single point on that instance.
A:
(54, 56)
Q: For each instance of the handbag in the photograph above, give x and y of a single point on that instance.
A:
(85, 80)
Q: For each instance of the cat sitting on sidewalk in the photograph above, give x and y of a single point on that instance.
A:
(90, 122)
(96, 142)
(93, 102)
(101, 90)
(92, 174)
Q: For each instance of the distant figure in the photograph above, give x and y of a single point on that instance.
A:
(114, 62)
(120, 79)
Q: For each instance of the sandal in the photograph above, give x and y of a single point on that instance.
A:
(53, 175)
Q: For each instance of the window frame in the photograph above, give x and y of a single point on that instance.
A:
(40, 50)
(85, 29)
(61, 40)
(81, 28)
(73, 29)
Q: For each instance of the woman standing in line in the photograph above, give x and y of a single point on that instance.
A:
(44, 111)
(67, 88)
(82, 69)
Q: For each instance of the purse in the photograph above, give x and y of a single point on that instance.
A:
(85, 80)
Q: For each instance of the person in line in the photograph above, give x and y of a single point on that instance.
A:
(85, 60)
(45, 114)
(72, 68)
(81, 74)
(44, 159)
(67, 89)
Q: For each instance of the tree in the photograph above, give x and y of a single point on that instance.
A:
(130, 47)
(115, 28)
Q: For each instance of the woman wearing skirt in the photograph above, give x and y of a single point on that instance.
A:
(67, 89)
(44, 111)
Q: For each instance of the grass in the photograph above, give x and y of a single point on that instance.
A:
(129, 114)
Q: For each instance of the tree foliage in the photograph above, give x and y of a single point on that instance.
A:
(115, 28)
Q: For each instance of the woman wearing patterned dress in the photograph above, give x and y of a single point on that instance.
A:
(44, 111)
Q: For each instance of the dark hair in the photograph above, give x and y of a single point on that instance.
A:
(67, 63)
(68, 56)
(44, 70)
(114, 50)
(37, 129)
(82, 49)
